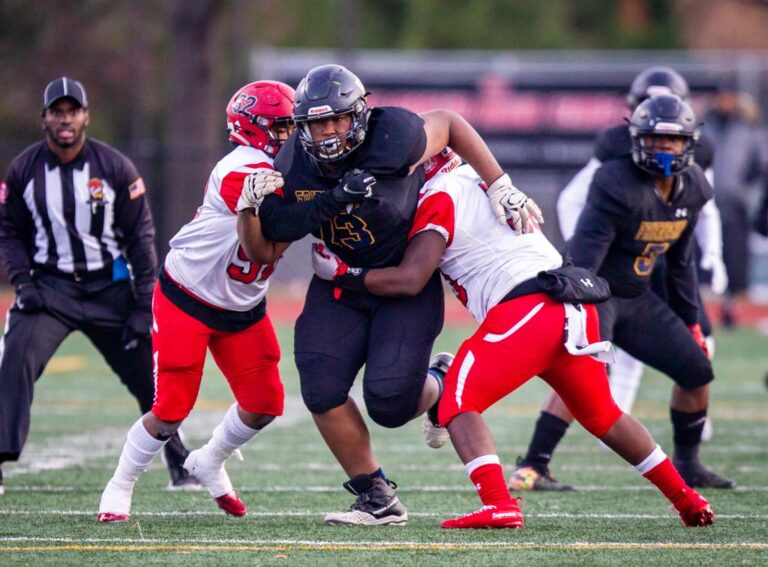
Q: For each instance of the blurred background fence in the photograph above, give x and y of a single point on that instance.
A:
(537, 78)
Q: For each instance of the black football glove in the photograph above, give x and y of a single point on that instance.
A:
(355, 186)
(138, 326)
(29, 298)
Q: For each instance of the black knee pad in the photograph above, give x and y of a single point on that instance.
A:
(696, 372)
(321, 391)
(393, 409)
(318, 399)
(390, 412)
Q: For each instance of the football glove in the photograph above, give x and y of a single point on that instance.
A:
(138, 326)
(698, 336)
(29, 298)
(256, 186)
(719, 280)
(512, 206)
(330, 267)
(355, 186)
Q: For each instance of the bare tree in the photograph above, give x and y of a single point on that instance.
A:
(188, 140)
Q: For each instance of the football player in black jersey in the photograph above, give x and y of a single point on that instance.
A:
(638, 209)
(625, 373)
(352, 175)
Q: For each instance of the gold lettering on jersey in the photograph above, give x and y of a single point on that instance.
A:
(305, 195)
(351, 231)
(659, 231)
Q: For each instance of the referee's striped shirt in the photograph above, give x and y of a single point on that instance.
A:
(76, 219)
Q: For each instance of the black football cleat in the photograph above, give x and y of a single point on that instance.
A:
(174, 455)
(697, 475)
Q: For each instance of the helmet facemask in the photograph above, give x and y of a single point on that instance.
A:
(664, 164)
(337, 147)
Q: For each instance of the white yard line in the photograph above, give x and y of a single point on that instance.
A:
(128, 544)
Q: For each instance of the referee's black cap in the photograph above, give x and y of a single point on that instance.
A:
(64, 87)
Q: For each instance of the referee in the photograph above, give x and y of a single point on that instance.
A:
(77, 240)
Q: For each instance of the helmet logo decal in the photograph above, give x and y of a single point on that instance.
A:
(656, 90)
(318, 110)
(668, 127)
(243, 103)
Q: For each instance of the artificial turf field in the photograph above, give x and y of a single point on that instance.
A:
(289, 480)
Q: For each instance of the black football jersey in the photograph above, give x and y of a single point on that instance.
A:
(372, 233)
(615, 143)
(625, 227)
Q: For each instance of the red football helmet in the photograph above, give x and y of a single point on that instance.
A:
(256, 110)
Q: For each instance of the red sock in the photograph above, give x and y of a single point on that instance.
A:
(667, 479)
(490, 484)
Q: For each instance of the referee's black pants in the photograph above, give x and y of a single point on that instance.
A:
(99, 309)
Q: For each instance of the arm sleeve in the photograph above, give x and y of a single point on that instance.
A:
(286, 222)
(681, 278)
(709, 231)
(596, 227)
(573, 198)
(15, 230)
(133, 220)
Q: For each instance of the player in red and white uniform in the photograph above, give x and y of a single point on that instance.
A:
(210, 295)
(495, 273)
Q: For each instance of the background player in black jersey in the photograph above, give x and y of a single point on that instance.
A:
(625, 373)
(73, 218)
(352, 177)
(639, 208)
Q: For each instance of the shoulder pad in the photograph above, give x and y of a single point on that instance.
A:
(613, 143)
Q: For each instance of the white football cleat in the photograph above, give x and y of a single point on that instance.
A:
(434, 436)
(216, 480)
(212, 476)
(115, 505)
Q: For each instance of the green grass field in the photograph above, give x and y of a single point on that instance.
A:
(289, 480)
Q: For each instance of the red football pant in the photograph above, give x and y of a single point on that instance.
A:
(496, 360)
(248, 359)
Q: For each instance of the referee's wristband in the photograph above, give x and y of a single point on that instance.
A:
(353, 280)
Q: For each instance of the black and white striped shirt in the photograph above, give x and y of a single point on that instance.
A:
(78, 219)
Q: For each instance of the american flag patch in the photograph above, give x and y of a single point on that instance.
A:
(137, 188)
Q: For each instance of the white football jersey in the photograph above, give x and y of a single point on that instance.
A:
(206, 258)
(483, 260)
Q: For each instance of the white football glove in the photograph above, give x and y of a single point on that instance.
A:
(256, 186)
(326, 264)
(512, 206)
(719, 280)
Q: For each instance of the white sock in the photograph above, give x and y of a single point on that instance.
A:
(229, 435)
(480, 461)
(653, 460)
(139, 450)
(625, 379)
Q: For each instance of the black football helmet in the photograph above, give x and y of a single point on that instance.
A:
(657, 80)
(663, 115)
(331, 90)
